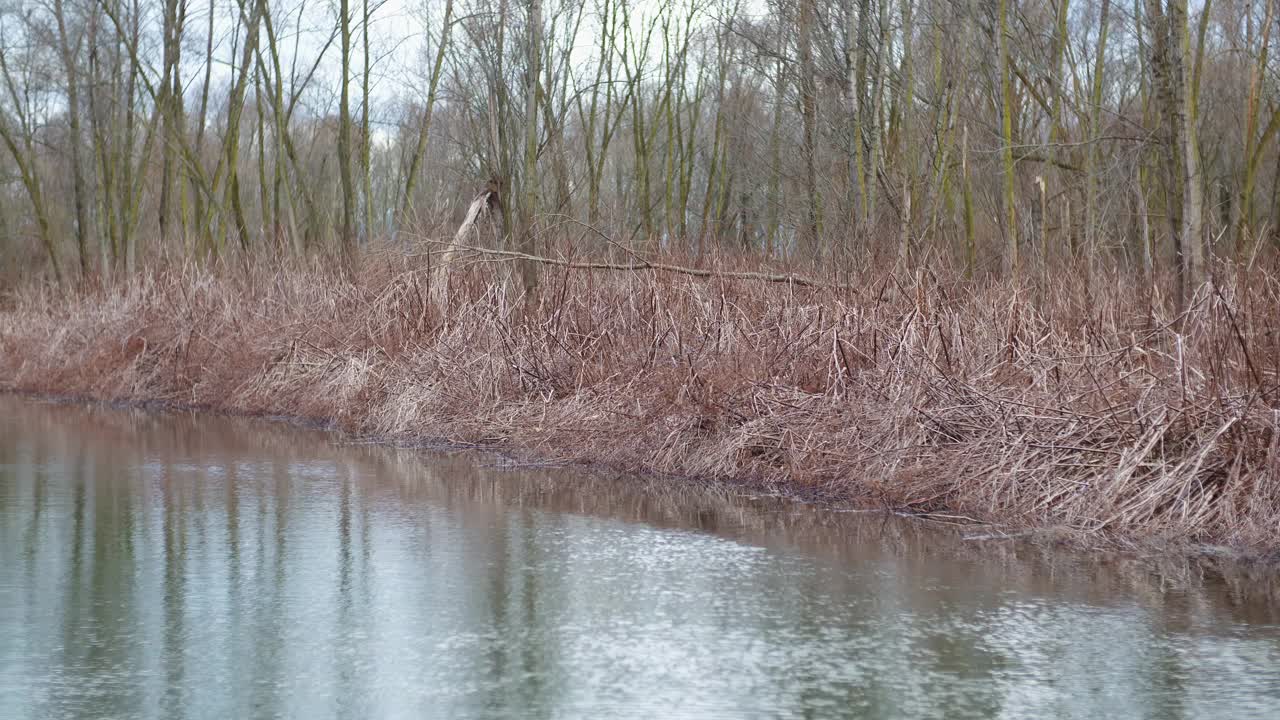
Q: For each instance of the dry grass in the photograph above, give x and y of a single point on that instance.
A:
(1049, 404)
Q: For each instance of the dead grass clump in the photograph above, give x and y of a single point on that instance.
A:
(1052, 403)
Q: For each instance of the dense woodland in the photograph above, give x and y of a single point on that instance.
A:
(992, 134)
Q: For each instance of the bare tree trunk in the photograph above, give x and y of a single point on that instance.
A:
(424, 129)
(1056, 129)
(589, 116)
(970, 245)
(555, 104)
(500, 160)
(908, 154)
(529, 175)
(128, 238)
(267, 226)
(639, 126)
(1253, 151)
(1166, 74)
(344, 134)
(856, 46)
(1093, 154)
(102, 150)
(715, 169)
(69, 53)
(875, 154)
(281, 113)
(775, 157)
(1192, 220)
(1144, 227)
(366, 138)
(235, 111)
(1012, 263)
(175, 12)
(809, 122)
(205, 230)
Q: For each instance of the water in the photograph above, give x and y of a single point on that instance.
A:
(174, 566)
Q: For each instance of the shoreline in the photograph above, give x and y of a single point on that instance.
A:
(1225, 560)
(427, 443)
(757, 389)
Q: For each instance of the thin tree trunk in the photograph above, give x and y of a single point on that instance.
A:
(856, 41)
(102, 151)
(344, 133)
(128, 238)
(366, 138)
(70, 54)
(529, 175)
(809, 123)
(875, 154)
(715, 170)
(1166, 79)
(1056, 128)
(1192, 219)
(1253, 151)
(970, 245)
(205, 229)
(775, 158)
(267, 224)
(171, 101)
(1093, 154)
(235, 111)
(1012, 262)
(908, 154)
(424, 128)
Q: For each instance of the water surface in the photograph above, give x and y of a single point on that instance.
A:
(179, 566)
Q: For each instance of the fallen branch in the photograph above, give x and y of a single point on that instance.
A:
(642, 264)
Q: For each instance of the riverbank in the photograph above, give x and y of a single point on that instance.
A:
(1092, 413)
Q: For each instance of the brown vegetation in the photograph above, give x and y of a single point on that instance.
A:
(1068, 402)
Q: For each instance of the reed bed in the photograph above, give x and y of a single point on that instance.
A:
(1086, 405)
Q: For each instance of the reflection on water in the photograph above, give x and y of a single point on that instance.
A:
(168, 566)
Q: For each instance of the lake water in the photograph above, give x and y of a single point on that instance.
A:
(163, 565)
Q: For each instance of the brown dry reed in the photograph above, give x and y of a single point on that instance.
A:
(1081, 403)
